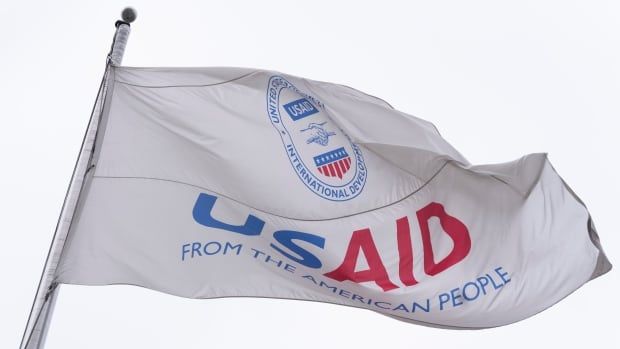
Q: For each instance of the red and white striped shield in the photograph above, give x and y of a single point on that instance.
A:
(334, 163)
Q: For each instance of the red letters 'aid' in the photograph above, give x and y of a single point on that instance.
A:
(361, 240)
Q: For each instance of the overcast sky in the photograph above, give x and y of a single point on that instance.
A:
(498, 78)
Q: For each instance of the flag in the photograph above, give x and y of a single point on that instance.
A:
(223, 182)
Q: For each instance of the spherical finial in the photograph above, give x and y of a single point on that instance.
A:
(129, 14)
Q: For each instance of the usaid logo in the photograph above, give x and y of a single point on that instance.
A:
(321, 154)
(300, 109)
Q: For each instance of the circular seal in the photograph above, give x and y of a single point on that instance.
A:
(321, 154)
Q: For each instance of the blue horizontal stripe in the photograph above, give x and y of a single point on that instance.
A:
(330, 157)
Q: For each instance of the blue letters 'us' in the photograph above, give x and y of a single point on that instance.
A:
(202, 214)
(254, 226)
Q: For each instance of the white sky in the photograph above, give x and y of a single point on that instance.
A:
(498, 78)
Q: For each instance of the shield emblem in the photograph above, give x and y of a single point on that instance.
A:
(334, 163)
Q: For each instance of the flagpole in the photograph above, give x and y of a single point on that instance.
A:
(47, 291)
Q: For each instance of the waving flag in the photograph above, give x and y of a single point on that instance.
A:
(218, 182)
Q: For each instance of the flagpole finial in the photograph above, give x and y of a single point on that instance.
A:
(121, 36)
(129, 14)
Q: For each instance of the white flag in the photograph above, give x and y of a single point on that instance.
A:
(222, 182)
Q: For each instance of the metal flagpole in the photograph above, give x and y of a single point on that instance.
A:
(47, 292)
